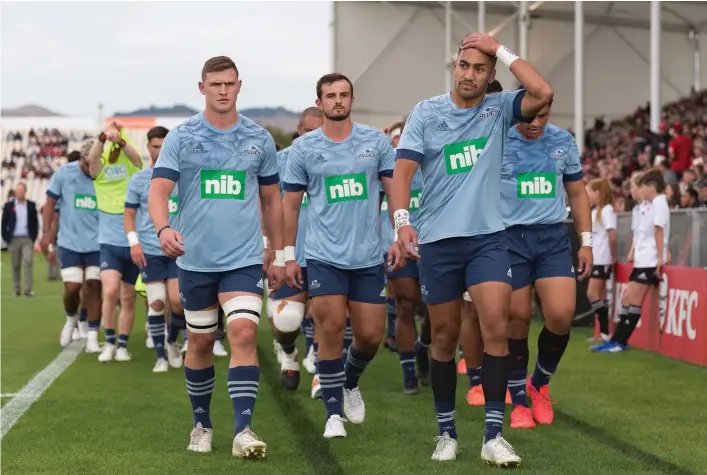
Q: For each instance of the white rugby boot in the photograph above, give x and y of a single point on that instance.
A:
(354, 407)
(499, 452)
(200, 439)
(248, 445)
(335, 427)
(447, 448)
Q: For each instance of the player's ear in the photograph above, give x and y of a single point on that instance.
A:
(318, 102)
(238, 86)
(492, 76)
(201, 88)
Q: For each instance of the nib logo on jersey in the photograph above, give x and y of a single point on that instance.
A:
(222, 184)
(173, 205)
(536, 185)
(415, 197)
(346, 187)
(461, 157)
(85, 202)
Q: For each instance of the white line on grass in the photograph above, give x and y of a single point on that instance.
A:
(8, 395)
(15, 409)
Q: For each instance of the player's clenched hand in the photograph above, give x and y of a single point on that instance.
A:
(482, 42)
(407, 240)
(585, 261)
(172, 243)
(276, 277)
(396, 259)
(294, 275)
(267, 259)
(138, 256)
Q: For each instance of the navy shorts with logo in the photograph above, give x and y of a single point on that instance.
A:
(539, 252)
(410, 270)
(118, 258)
(286, 291)
(69, 258)
(448, 267)
(199, 290)
(360, 285)
(159, 269)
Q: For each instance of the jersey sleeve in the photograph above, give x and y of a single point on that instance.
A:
(608, 218)
(296, 178)
(512, 113)
(55, 185)
(267, 172)
(387, 158)
(573, 165)
(412, 141)
(167, 165)
(661, 214)
(132, 197)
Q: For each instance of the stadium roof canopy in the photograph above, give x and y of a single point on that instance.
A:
(398, 53)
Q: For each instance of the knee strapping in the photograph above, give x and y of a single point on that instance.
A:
(93, 273)
(72, 274)
(287, 315)
(243, 306)
(201, 321)
(156, 292)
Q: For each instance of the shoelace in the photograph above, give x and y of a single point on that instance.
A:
(504, 445)
(355, 398)
(442, 443)
(544, 393)
(250, 436)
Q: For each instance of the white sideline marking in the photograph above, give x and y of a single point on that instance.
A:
(8, 395)
(28, 395)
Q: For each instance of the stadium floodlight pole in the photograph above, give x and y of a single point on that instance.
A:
(524, 25)
(448, 46)
(482, 16)
(579, 74)
(655, 65)
(695, 39)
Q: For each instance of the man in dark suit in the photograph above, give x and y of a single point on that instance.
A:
(20, 227)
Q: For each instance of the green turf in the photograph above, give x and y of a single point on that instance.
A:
(632, 413)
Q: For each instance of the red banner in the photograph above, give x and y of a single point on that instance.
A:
(674, 315)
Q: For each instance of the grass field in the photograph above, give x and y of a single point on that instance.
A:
(632, 413)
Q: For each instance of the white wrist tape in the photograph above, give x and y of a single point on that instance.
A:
(266, 243)
(279, 259)
(586, 238)
(402, 218)
(290, 253)
(132, 238)
(505, 55)
(50, 247)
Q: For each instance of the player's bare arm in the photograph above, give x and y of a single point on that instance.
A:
(48, 226)
(538, 93)
(396, 258)
(582, 215)
(271, 206)
(292, 202)
(130, 231)
(171, 241)
(94, 158)
(132, 154)
(399, 197)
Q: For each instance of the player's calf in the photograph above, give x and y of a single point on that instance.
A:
(156, 298)
(73, 278)
(287, 316)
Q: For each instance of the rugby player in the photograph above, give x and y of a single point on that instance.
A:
(650, 253)
(111, 170)
(541, 158)
(78, 248)
(341, 167)
(604, 239)
(158, 272)
(459, 138)
(222, 162)
(287, 306)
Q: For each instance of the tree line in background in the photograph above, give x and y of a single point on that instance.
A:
(281, 138)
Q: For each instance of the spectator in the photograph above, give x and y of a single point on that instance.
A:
(680, 149)
(690, 199)
(672, 194)
(668, 173)
(20, 227)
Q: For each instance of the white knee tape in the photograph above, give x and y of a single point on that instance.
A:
(93, 273)
(72, 274)
(467, 297)
(202, 321)
(244, 306)
(156, 292)
(286, 315)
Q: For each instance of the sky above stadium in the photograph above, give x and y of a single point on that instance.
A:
(69, 57)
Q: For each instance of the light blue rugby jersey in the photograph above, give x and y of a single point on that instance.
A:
(533, 174)
(136, 198)
(302, 223)
(78, 219)
(460, 152)
(218, 173)
(343, 184)
(387, 231)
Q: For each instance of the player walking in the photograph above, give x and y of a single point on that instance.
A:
(539, 159)
(287, 306)
(77, 246)
(341, 167)
(459, 138)
(222, 162)
(158, 272)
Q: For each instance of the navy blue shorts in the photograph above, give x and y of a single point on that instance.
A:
(118, 258)
(286, 291)
(448, 267)
(411, 270)
(360, 285)
(200, 290)
(69, 258)
(539, 252)
(159, 269)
